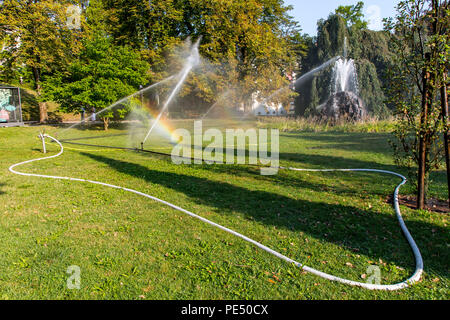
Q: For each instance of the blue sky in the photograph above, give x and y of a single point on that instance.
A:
(307, 12)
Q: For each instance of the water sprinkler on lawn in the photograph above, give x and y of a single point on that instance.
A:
(42, 136)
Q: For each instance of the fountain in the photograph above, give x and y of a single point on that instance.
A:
(344, 102)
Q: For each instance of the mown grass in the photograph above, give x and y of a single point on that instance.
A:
(312, 124)
(129, 247)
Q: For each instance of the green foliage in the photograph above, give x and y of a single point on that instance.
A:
(314, 124)
(250, 44)
(37, 42)
(418, 54)
(102, 74)
(372, 55)
(353, 15)
(371, 90)
(35, 35)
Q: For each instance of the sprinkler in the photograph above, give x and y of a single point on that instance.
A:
(42, 136)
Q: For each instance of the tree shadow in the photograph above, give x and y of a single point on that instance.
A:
(328, 161)
(30, 106)
(1, 191)
(312, 161)
(287, 178)
(366, 231)
(373, 142)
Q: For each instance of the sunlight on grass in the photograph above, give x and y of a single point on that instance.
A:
(129, 247)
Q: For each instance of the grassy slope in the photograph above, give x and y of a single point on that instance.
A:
(131, 248)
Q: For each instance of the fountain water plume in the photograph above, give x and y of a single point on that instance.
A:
(345, 48)
(344, 76)
(311, 73)
(344, 102)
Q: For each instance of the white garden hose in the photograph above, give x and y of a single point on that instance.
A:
(418, 258)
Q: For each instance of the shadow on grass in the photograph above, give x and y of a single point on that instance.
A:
(361, 142)
(368, 232)
(30, 106)
(289, 178)
(2, 185)
(349, 142)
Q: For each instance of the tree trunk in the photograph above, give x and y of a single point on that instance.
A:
(43, 116)
(444, 104)
(423, 141)
(106, 123)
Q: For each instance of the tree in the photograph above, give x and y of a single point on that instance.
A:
(36, 35)
(419, 36)
(252, 44)
(441, 27)
(353, 15)
(103, 74)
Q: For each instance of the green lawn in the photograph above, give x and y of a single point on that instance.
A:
(129, 247)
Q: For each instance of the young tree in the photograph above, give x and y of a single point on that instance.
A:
(441, 28)
(420, 41)
(37, 35)
(103, 74)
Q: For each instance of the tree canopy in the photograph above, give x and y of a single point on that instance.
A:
(353, 15)
(371, 52)
(252, 44)
(101, 75)
(36, 40)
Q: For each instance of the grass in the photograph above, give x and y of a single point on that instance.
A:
(371, 125)
(128, 247)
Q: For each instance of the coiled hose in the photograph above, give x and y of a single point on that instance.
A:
(418, 258)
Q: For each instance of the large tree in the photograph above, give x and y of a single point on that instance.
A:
(421, 45)
(100, 76)
(353, 15)
(36, 35)
(252, 44)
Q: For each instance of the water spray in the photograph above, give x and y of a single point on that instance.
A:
(301, 79)
(140, 92)
(192, 61)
